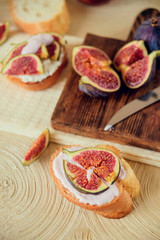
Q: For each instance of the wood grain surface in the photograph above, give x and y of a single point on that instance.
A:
(32, 208)
(83, 115)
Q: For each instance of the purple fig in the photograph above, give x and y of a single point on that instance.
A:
(149, 31)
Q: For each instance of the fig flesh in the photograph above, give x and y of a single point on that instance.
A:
(98, 78)
(149, 31)
(26, 64)
(86, 59)
(4, 29)
(129, 53)
(91, 170)
(140, 72)
(54, 50)
(37, 148)
(17, 49)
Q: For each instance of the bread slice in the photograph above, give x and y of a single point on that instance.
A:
(121, 205)
(40, 15)
(45, 83)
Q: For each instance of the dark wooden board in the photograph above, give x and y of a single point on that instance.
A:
(80, 114)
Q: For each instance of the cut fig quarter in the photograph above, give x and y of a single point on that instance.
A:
(37, 148)
(100, 85)
(30, 64)
(4, 29)
(91, 170)
(54, 50)
(140, 72)
(130, 53)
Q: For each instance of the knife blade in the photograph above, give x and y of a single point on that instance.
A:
(133, 107)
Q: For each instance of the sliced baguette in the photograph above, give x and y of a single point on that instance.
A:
(121, 205)
(40, 16)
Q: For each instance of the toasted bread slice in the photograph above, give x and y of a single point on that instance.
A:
(121, 205)
(45, 83)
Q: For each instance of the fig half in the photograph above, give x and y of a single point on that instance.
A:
(90, 169)
(129, 53)
(98, 78)
(23, 64)
(140, 72)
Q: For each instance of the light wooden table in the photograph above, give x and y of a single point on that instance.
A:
(30, 205)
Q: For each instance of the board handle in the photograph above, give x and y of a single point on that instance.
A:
(143, 16)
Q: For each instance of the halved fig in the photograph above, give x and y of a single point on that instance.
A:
(87, 60)
(100, 84)
(54, 50)
(130, 53)
(26, 64)
(37, 148)
(4, 29)
(141, 71)
(98, 78)
(91, 170)
(15, 51)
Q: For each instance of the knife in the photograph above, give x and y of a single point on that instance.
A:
(133, 107)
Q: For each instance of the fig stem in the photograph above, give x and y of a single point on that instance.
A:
(154, 22)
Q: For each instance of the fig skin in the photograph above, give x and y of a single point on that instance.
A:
(151, 58)
(149, 31)
(33, 154)
(6, 26)
(129, 53)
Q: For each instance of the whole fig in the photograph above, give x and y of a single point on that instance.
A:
(149, 31)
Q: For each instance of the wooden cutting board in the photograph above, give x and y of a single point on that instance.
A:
(80, 114)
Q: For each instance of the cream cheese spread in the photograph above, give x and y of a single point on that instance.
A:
(92, 199)
(35, 42)
(49, 65)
